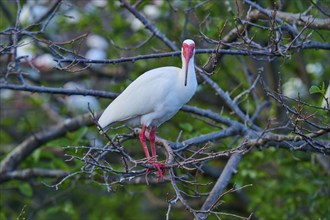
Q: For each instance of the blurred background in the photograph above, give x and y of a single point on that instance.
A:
(277, 183)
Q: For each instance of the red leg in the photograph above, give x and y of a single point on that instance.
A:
(143, 142)
(153, 160)
(160, 166)
(152, 143)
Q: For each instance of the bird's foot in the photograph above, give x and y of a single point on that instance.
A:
(160, 168)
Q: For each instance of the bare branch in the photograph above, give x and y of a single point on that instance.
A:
(298, 19)
(149, 25)
(20, 152)
(225, 96)
(221, 184)
(27, 174)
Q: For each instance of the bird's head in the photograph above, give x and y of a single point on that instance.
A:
(188, 51)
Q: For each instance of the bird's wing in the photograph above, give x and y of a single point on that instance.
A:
(141, 97)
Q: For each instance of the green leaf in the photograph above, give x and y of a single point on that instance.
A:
(323, 88)
(36, 155)
(77, 136)
(68, 208)
(25, 189)
(314, 89)
(186, 127)
(3, 216)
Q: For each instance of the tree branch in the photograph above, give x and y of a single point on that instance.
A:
(27, 174)
(298, 19)
(261, 53)
(149, 25)
(221, 184)
(269, 13)
(225, 96)
(50, 90)
(20, 152)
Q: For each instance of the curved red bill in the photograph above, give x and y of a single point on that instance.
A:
(188, 52)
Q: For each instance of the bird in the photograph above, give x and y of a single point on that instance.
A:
(153, 98)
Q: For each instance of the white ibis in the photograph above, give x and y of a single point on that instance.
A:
(153, 98)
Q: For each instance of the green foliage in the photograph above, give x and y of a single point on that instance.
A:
(25, 189)
(285, 185)
(318, 89)
(294, 185)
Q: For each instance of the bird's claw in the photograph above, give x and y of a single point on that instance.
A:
(160, 168)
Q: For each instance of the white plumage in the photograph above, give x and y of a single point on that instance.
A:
(154, 98)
